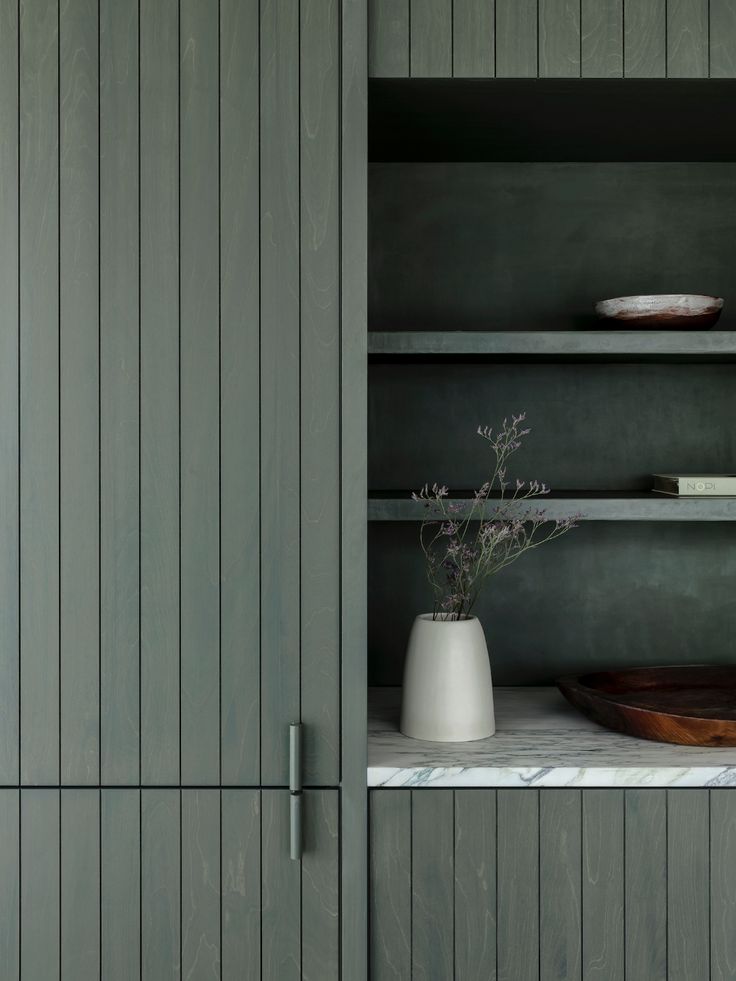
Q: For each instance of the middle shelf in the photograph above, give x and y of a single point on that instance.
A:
(591, 505)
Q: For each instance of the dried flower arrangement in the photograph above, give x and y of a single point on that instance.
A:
(465, 543)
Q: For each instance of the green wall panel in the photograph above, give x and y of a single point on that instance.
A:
(431, 38)
(389, 38)
(120, 890)
(517, 54)
(722, 38)
(40, 885)
(10, 884)
(602, 884)
(80, 884)
(473, 39)
(687, 38)
(602, 38)
(79, 354)
(559, 38)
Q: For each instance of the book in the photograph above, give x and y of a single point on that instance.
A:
(695, 485)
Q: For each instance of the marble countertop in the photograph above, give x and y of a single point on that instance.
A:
(540, 741)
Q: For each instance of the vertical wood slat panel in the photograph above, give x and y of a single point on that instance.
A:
(39, 392)
(646, 884)
(475, 885)
(320, 389)
(688, 885)
(390, 885)
(159, 419)
(602, 38)
(280, 527)
(200, 883)
(280, 893)
(433, 874)
(199, 402)
(473, 29)
(119, 420)
(120, 884)
(559, 38)
(518, 885)
(320, 928)
(40, 885)
(80, 884)
(9, 446)
(722, 884)
(388, 38)
(722, 38)
(603, 884)
(430, 38)
(160, 884)
(239, 501)
(79, 379)
(10, 885)
(516, 38)
(645, 38)
(560, 901)
(687, 38)
(241, 885)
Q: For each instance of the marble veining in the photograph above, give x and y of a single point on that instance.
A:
(540, 741)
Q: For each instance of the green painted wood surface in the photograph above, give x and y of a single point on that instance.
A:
(119, 390)
(722, 38)
(517, 878)
(241, 885)
(199, 399)
(433, 874)
(353, 539)
(320, 389)
(722, 884)
(646, 884)
(516, 39)
(645, 38)
(431, 38)
(10, 884)
(39, 392)
(280, 893)
(473, 38)
(159, 391)
(200, 883)
(121, 884)
(391, 885)
(80, 387)
(80, 884)
(559, 38)
(40, 885)
(280, 395)
(688, 885)
(239, 391)
(388, 38)
(602, 38)
(687, 38)
(602, 885)
(560, 884)
(475, 885)
(161, 877)
(9, 397)
(320, 931)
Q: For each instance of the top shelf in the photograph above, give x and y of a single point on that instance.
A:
(604, 345)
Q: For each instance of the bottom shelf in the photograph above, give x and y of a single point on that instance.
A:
(540, 741)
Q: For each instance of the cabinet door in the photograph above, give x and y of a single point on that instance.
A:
(163, 884)
(552, 884)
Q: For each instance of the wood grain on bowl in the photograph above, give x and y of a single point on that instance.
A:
(665, 311)
(693, 705)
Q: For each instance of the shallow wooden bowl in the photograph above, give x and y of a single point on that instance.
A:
(693, 705)
(664, 311)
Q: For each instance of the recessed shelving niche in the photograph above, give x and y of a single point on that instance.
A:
(499, 212)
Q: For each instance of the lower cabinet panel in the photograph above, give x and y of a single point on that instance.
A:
(166, 885)
(553, 885)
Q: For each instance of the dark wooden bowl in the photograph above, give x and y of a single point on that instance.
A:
(692, 705)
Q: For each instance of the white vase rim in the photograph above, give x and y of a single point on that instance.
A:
(444, 618)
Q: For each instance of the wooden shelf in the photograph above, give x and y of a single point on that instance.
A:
(594, 506)
(551, 345)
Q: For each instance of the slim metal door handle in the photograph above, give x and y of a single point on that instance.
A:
(295, 791)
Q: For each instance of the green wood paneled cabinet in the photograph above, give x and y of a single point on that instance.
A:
(553, 885)
(182, 506)
(552, 38)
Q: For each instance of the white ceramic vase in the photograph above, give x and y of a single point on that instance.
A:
(448, 695)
